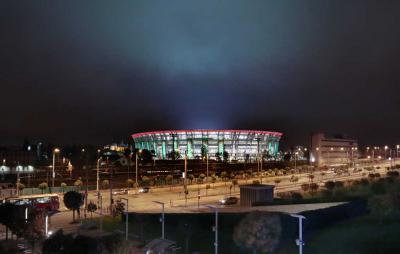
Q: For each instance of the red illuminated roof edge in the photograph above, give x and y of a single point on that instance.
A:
(141, 134)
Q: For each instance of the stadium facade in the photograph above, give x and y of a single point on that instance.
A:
(238, 145)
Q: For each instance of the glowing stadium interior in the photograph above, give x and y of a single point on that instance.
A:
(236, 144)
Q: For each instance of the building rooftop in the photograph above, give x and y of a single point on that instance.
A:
(257, 186)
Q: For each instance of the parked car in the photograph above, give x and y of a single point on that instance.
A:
(144, 189)
(229, 201)
(120, 192)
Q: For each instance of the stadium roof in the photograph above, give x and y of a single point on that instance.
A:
(270, 133)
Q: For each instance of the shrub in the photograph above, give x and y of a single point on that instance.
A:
(256, 182)
(296, 196)
(130, 183)
(339, 184)
(105, 184)
(378, 188)
(305, 186)
(364, 182)
(377, 175)
(330, 185)
(394, 174)
(314, 187)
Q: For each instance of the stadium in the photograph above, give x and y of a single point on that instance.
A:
(238, 145)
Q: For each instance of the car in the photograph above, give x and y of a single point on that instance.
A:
(120, 192)
(229, 201)
(144, 189)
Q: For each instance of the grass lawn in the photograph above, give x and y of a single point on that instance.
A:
(363, 235)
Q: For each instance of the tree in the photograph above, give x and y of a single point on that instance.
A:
(63, 185)
(258, 231)
(173, 155)
(311, 177)
(7, 216)
(146, 155)
(190, 177)
(169, 179)
(78, 183)
(42, 186)
(225, 155)
(145, 181)
(204, 151)
(118, 208)
(130, 183)
(234, 183)
(330, 185)
(305, 187)
(277, 181)
(224, 176)
(207, 187)
(33, 230)
(92, 207)
(105, 184)
(339, 184)
(394, 174)
(313, 188)
(73, 201)
(20, 186)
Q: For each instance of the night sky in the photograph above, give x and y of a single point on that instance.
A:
(97, 71)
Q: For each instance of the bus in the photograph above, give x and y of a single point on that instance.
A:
(46, 202)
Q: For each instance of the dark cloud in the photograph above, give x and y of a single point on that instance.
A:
(93, 71)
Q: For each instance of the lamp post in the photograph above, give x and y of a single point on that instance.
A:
(126, 218)
(207, 164)
(300, 241)
(184, 179)
(98, 175)
(56, 150)
(386, 148)
(162, 219)
(136, 165)
(215, 227)
(295, 161)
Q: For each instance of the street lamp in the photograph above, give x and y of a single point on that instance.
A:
(215, 227)
(98, 169)
(136, 165)
(386, 147)
(126, 218)
(300, 241)
(56, 150)
(295, 160)
(162, 219)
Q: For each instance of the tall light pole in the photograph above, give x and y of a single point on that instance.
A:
(162, 219)
(300, 241)
(56, 150)
(207, 163)
(295, 161)
(126, 218)
(136, 165)
(215, 227)
(397, 151)
(184, 179)
(98, 174)
(386, 147)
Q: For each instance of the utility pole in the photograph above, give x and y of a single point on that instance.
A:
(162, 219)
(110, 184)
(300, 242)
(215, 227)
(136, 165)
(126, 218)
(207, 164)
(184, 179)
(56, 150)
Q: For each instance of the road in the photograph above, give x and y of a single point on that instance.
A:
(175, 201)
